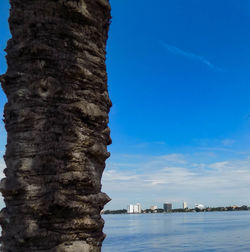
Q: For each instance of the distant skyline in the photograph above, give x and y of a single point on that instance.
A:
(178, 74)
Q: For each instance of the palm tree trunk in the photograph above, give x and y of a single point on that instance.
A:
(56, 119)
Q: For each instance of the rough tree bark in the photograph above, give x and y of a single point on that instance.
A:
(56, 119)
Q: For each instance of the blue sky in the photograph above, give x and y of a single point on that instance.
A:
(179, 81)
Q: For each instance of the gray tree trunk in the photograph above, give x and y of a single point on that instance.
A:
(56, 119)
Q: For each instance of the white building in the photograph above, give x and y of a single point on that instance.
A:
(137, 208)
(134, 208)
(200, 206)
(185, 205)
(130, 209)
(153, 208)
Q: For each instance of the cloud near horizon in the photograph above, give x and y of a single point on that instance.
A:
(190, 55)
(176, 178)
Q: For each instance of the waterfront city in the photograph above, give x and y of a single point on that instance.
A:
(167, 207)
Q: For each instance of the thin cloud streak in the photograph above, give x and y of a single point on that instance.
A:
(190, 55)
(176, 176)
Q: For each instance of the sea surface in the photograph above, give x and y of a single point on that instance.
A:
(203, 232)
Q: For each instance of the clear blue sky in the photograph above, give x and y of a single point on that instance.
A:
(179, 81)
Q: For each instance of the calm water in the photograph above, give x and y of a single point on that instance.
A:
(204, 232)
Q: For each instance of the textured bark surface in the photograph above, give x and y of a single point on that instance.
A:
(56, 119)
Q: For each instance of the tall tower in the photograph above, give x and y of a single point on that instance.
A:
(185, 206)
(130, 209)
(138, 207)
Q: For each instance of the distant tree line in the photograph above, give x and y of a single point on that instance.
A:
(228, 208)
(121, 211)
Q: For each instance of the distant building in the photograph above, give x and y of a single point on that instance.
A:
(140, 209)
(153, 208)
(137, 208)
(130, 209)
(167, 207)
(185, 205)
(134, 208)
(199, 207)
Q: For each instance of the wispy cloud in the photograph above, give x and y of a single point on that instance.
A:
(228, 142)
(190, 55)
(178, 178)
